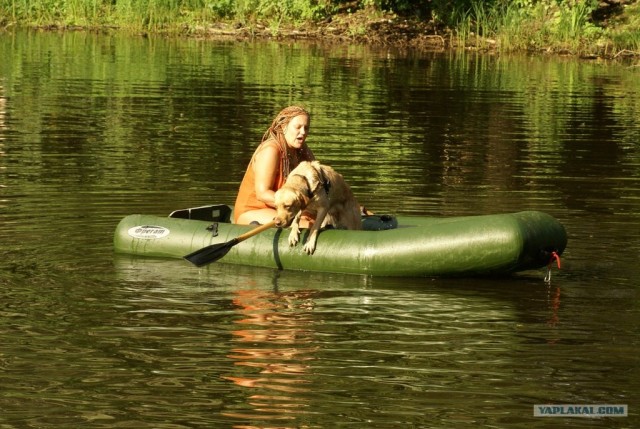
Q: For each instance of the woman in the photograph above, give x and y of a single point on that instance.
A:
(282, 148)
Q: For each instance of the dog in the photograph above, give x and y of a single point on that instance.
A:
(317, 189)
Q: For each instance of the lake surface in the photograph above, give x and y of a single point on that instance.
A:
(96, 127)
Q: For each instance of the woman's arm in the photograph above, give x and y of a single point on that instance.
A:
(265, 168)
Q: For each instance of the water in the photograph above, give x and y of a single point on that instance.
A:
(96, 127)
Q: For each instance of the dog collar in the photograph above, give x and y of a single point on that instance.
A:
(326, 184)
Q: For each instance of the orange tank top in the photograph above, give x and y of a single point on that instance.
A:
(246, 199)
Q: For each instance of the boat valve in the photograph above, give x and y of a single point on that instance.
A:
(213, 228)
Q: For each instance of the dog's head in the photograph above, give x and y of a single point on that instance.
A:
(293, 197)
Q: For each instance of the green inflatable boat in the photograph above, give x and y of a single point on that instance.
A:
(387, 246)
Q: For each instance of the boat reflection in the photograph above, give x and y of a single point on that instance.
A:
(553, 298)
(272, 350)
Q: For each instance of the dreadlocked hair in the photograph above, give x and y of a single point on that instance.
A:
(276, 132)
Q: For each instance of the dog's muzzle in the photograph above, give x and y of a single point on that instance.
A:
(280, 223)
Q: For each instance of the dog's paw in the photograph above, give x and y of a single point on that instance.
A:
(310, 247)
(294, 237)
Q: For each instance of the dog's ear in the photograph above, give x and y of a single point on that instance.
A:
(309, 193)
(302, 184)
(314, 177)
(303, 200)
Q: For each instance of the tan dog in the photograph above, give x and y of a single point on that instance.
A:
(320, 190)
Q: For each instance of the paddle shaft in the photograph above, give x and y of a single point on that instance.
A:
(255, 231)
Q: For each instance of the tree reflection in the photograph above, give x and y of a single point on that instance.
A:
(3, 103)
(272, 348)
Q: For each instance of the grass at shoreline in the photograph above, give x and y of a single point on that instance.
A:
(562, 26)
(565, 28)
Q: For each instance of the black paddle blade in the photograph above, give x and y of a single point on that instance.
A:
(211, 253)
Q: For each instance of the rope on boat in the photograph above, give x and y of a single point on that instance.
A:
(555, 257)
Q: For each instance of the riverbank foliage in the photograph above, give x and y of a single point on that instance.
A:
(583, 27)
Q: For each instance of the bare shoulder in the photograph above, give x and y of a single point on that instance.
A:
(267, 152)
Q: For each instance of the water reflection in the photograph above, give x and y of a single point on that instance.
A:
(3, 102)
(553, 297)
(277, 355)
(272, 350)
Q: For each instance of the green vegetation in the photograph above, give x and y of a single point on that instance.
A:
(155, 15)
(590, 27)
(570, 26)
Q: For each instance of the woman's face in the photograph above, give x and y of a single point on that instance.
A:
(296, 131)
